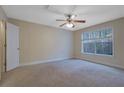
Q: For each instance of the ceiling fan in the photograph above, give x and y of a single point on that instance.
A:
(70, 22)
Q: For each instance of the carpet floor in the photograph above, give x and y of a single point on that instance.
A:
(66, 73)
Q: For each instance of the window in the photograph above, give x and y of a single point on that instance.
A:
(98, 42)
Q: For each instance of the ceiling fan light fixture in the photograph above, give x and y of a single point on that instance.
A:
(69, 25)
(73, 16)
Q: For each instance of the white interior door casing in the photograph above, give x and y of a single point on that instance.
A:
(12, 40)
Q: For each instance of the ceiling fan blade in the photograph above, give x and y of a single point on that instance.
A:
(63, 24)
(60, 20)
(79, 21)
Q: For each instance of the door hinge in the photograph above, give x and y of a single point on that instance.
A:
(5, 45)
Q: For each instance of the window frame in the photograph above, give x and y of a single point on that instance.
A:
(95, 54)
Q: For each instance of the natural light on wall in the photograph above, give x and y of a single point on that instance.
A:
(98, 42)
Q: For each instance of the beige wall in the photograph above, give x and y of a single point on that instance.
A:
(118, 58)
(2, 38)
(42, 43)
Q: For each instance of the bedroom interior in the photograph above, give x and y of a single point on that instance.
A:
(58, 45)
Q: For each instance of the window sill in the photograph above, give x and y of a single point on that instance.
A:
(92, 54)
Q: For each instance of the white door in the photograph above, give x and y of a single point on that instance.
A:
(12, 50)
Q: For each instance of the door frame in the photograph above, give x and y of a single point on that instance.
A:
(5, 45)
(3, 48)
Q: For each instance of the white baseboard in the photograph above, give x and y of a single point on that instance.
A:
(43, 61)
(107, 64)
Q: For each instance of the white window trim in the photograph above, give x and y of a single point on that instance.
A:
(94, 54)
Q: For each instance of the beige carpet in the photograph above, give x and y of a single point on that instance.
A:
(67, 73)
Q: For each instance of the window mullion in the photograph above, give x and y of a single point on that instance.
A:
(95, 46)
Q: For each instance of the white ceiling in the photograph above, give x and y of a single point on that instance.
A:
(47, 14)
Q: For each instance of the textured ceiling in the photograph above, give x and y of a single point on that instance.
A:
(47, 14)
